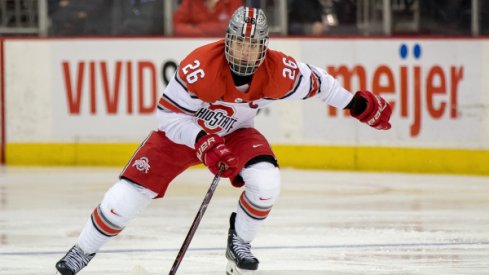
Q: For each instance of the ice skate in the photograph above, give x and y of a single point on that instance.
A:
(238, 253)
(73, 261)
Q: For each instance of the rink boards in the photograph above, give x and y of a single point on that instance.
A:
(91, 101)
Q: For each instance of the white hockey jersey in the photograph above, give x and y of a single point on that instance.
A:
(202, 95)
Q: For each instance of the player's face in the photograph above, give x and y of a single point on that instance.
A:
(246, 51)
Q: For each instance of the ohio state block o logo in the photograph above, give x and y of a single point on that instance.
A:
(142, 164)
(216, 118)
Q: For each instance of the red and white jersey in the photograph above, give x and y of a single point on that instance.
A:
(202, 95)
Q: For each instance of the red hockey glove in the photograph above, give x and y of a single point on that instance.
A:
(376, 113)
(212, 151)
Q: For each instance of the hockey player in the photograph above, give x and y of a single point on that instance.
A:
(206, 116)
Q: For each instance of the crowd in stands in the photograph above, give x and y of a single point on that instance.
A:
(203, 17)
(198, 18)
(105, 17)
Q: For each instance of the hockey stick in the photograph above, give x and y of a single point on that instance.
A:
(196, 222)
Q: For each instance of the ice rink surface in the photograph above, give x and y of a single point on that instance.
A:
(323, 223)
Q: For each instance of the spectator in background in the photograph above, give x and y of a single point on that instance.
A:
(79, 17)
(445, 17)
(204, 17)
(137, 17)
(306, 17)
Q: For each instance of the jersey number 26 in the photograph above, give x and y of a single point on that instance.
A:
(193, 76)
(289, 70)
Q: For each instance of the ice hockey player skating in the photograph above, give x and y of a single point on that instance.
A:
(205, 115)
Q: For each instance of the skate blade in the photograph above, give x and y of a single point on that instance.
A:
(232, 269)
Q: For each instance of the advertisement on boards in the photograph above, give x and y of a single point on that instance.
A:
(434, 87)
(106, 90)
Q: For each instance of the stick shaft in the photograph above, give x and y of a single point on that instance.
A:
(195, 224)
